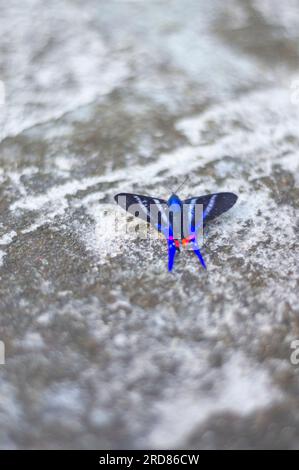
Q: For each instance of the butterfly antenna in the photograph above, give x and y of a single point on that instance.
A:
(182, 184)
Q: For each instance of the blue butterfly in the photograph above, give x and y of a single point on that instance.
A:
(212, 206)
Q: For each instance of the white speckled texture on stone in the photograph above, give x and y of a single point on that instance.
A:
(103, 347)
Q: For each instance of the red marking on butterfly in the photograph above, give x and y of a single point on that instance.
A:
(187, 240)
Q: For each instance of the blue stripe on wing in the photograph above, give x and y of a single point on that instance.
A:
(213, 205)
(140, 206)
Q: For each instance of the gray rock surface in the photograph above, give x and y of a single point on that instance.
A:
(104, 348)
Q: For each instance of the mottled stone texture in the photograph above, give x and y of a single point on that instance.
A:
(105, 348)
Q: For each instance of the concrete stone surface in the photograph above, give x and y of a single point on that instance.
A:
(103, 347)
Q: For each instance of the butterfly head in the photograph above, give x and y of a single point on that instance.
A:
(174, 202)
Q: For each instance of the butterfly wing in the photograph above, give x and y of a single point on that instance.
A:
(154, 211)
(213, 206)
(143, 207)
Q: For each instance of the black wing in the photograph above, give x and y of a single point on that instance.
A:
(213, 205)
(139, 206)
